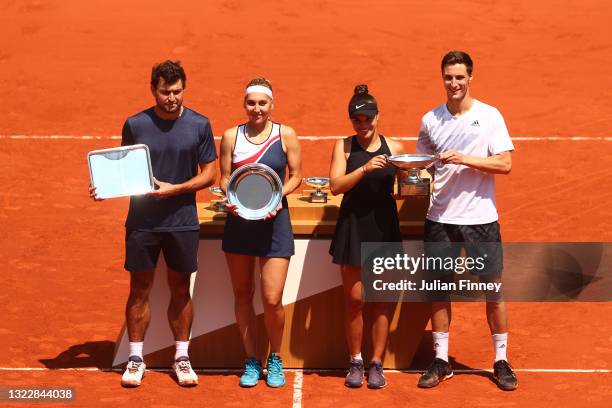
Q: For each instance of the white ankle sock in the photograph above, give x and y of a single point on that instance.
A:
(136, 348)
(357, 357)
(182, 348)
(500, 345)
(440, 340)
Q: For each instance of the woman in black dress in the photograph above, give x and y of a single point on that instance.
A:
(368, 213)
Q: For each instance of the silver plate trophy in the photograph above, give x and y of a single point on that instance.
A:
(218, 205)
(317, 196)
(413, 185)
(255, 189)
(121, 171)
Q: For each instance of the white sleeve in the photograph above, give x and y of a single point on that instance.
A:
(500, 138)
(424, 144)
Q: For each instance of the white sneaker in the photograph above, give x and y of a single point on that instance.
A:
(132, 377)
(185, 375)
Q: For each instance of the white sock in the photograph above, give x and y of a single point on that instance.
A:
(136, 348)
(181, 349)
(500, 345)
(357, 357)
(440, 340)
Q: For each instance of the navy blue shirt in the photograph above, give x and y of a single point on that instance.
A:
(177, 148)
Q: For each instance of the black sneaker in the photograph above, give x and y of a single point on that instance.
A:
(504, 376)
(438, 370)
(354, 378)
(376, 378)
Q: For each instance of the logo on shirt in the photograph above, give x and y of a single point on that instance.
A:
(475, 123)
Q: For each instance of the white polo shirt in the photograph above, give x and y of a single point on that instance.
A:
(463, 195)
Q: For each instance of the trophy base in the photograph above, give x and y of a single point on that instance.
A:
(218, 205)
(411, 189)
(318, 198)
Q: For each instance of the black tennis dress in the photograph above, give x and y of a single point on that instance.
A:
(368, 212)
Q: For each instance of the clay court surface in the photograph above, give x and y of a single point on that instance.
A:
(72, 71)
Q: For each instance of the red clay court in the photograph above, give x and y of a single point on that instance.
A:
(73, 71)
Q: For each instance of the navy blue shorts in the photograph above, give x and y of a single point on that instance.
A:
(272, 238)
(180, 249)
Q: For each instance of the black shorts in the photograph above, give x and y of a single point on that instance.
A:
(180, 250)
(482, 245)
(481, 241)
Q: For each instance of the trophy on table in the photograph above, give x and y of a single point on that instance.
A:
(317, 196)
(412, 184)
(218, 205)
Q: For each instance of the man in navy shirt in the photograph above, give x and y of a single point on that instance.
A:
(183, 155)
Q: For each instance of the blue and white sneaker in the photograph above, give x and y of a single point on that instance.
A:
(275, 377)
(253, 372)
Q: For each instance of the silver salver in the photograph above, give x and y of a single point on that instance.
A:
(413, 184)
(255, 189)
(317, 196)
(121, 171)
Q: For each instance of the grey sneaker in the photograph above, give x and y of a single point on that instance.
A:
(376, 378)
(438, 370)
(354, 378)
(504, 376)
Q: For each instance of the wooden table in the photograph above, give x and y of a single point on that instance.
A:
(313, 299)
(318, 219)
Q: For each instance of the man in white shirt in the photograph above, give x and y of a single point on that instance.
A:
(473, 145)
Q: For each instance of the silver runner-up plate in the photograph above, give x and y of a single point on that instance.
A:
(121, 171)
(412, 161)
(255, 189)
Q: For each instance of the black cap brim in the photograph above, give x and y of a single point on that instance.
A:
(370, 113)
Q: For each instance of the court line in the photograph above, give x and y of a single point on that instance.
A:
(297, 388)
(313, 370)
(313, 138)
